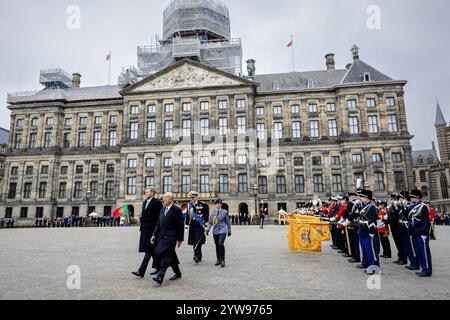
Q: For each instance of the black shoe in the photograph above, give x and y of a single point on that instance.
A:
(175, 277)
(137, 274)
(422, 274)
(400, 262)
(197, 260)
(412, 268)
(346, 255)
(218, 263)
(158, 280)
(341, 251)
(154, 272)
(353, 260)
(359, 266)
(222, 264)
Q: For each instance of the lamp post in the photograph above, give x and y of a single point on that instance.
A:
(88, 198)
(255, 189)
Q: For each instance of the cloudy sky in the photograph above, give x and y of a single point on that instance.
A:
(412, 43)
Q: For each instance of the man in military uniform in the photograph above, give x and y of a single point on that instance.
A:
(407, 240)
(393, 211)
(368, 236)
(350, 224)
(419, 229)
(198, 215)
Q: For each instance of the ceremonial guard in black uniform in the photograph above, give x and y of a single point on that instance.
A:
(151, 208)
(407, 239)
(368, 235)
(393, 211)
(420, 229)
(197, 217)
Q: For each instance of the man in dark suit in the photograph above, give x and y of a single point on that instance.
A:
(151, 208)
(169, 233)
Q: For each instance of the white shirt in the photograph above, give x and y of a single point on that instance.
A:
(148, 202)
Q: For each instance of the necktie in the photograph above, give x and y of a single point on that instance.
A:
(165, 211)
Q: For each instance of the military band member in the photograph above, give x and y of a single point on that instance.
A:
(393, 211)
(420, 228)
(220, 222)
(383, 231)
(333, 210)
(197, 217)
(350, 223)
(368, 235)
(404, 231)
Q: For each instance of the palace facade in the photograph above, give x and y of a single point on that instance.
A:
(275, 140)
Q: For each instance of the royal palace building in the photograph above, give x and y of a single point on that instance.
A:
(188, 119)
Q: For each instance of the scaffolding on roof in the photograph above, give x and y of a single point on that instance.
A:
(194, 29)
(55, 79)
(189, 17)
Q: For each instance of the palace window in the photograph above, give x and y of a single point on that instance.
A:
(296, 130)
(223, 126)
(186, 130)
(131, 186)
(314, 128)
(318, 183)
(281, 184)
(278, 130)
(185, 184)
(378, 178)
(262, 184)
(134, 128)
(223, 183)
(241, 125)
(299, 182)
(242, 183)
(373, 124)
(392, 123)
(353, 123)
(204, 183)
(186, 107)
(332, 128)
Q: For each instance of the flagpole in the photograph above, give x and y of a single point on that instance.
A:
(292, 46)
(109, 69)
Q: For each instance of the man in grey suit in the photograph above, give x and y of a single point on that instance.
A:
(168, 234)
(151, 209)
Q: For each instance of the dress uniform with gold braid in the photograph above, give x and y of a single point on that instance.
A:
(407, 239)
(420, 229)
(197, 217)
(394, 221)
(368, 236)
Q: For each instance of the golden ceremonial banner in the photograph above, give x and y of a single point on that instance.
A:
(305, 234)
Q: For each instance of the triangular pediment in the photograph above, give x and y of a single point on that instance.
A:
(187, 74)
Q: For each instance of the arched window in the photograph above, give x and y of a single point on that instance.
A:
(444, 186)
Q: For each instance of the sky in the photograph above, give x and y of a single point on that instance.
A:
(405, 39)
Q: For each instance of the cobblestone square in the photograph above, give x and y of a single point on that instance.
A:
(259, 266)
